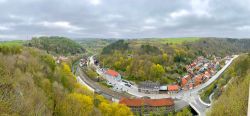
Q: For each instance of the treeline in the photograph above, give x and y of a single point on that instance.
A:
(31, 83)
(219, 46)
(161, 61)
(147, 62)
(5, 49)
(148, 49)
(233, 98)
(120, 45)
(56, 45)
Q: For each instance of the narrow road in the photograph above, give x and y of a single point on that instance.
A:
(194, 99)
(190, 97)
(98, 88)
(179, 104)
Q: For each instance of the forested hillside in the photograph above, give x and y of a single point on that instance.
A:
(56, 45)
(233, 99)
(219, 46)
(164, 61)
(94, 46)
(31, 83)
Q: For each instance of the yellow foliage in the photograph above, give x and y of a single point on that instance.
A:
(120, 110)
(101, 98)
(114, 109)
(82, 89)
(66, 69)
(77, 105)
(105, 109)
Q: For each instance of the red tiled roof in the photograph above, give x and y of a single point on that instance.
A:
(183, 81)
(188, 77)
(198, 78)
(112, 73)
(150, 102)
(193, 64)
(173, 87)
(207, 74)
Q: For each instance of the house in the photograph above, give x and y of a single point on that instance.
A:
(188, 77)
(173, 89)
(212, 72)
(197, 68)
(146, 106)
(149, 87)
(191, 85)
(193, 64)
(83, 62)
(183, 82)
(198, 79)
(112, 76)
(207, 74)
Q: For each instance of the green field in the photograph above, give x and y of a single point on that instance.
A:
(12, 43)
(178, 40)
(160, 41)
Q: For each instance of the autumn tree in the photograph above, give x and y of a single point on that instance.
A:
(156, 71)
(76, 104)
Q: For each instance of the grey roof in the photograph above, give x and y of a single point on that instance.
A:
(149, 84)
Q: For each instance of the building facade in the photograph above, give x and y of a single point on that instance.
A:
(146, 106)
(112, 76)
(173, 89)
(149, 87)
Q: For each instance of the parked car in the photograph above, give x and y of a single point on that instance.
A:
(125, 81)
(128, 85)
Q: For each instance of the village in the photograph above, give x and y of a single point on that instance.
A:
(198, 72)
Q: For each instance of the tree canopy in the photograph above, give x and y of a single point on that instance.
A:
(31, 83)
(137, 59)
(56, 45)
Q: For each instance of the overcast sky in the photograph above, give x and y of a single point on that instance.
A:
(22, 19)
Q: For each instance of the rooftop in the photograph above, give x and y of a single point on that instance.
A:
(112, 73)
(149, 102)
(173, 87)
(183, 81)
(149, 84)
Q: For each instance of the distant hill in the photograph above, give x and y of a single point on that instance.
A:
(219, 46)
(56, 45)
(137, 58)
(94, 46)
(120, 45)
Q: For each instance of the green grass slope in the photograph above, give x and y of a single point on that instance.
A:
(233, 99)
(12, 43)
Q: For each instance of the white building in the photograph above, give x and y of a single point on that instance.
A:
(112, 76)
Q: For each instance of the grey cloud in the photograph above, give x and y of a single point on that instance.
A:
(22, 19)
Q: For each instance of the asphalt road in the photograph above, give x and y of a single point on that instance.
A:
(106, 91)
(190, 97)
